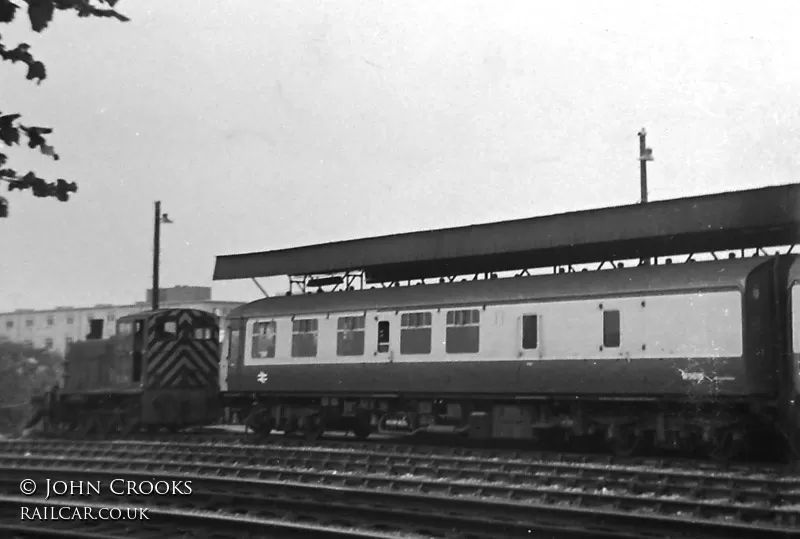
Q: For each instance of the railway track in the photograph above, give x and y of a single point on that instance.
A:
(445, 447)
(433, 495)
(429, 443)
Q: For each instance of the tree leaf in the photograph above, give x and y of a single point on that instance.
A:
(7, 10)
(8, 133)
(40, 12)
(36, 70)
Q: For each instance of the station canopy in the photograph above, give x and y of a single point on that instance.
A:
(755, 218)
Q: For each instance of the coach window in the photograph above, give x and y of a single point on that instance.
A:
(304, 337)
(350, 336)
(263, 339)
(415, 333)
(383, 336)
(611, 329)
(463, 332)
(530, 331)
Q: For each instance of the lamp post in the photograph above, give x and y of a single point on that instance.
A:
(157, 220)
(645, 155)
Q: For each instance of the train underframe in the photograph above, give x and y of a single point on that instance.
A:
(111, 414)
(714, 429)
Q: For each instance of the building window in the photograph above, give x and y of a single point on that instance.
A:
(611, 329)
(70, 319)
(48, 343)
(530, 332)
(264, 339)
(111, 317)
(415, 333)
(50, 321)
(463, 332)
(29, 323)
(350, 336)
(304, 337)
(9, 324)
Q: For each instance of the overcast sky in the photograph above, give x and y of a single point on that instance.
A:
(266, 124)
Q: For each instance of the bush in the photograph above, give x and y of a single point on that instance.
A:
(25, 372)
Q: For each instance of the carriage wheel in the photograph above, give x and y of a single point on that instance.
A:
(130, 420)
(724, 445)
(626, 442)
(130, 424)
(313, 427)
(260, 421)
(109, 425)
(290, 427)
(87, 426)
(362, 426)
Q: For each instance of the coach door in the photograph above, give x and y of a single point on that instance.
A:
(383, 344)
(231, 366)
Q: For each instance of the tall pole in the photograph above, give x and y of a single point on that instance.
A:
(645, 155)
(643, 158)
(156, 252)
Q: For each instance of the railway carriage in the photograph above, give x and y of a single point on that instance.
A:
(160, 370)
(681, 354)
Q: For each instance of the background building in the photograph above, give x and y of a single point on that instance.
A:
(53, 329)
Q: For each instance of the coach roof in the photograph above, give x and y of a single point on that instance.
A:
(637, 280)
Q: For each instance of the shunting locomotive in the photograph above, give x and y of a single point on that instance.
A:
(159, 371)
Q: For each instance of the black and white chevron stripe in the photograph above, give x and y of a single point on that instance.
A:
(182, 362)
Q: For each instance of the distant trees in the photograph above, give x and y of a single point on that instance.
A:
(24, 373)
(13, 131)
